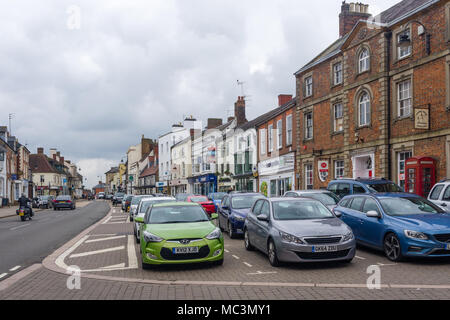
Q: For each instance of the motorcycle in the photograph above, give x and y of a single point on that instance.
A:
(24, 213)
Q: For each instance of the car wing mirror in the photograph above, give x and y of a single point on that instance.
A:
(139, 219)
(263, 217)
(373, 214)
(337, 213)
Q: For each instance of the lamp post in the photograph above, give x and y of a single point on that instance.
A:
(405, 39)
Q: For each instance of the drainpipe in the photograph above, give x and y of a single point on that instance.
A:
(388, 36)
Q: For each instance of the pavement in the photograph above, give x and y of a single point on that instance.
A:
(110, 266)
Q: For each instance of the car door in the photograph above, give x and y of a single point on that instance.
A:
(353, 215)
(262, 227)
(372, 229)
(223, 213)
(445, 203)
(251, 221)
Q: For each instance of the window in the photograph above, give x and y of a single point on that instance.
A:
(270, 132)
(370, 205)
(364, 60)
(403, 51)
(404, 98)
(337, 73)
(262, 139)
(343, 189)
(436, 192)
(338, 169)
(357, 203)
(358, 189)
(309, 181)
(289, 130)
(446, 196)
(308, 125)
(364, 109)
(279, 134)
(402, 157)
(338, 117)
(308, 86)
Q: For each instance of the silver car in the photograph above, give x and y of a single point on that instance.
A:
(134, 204)
(297, 230)
(328, 198)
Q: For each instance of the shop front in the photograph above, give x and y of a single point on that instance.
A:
(179, 186)
(277, 175)
(204, 185)
(161, 187)
(245, 183)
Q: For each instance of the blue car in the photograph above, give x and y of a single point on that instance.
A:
(217, 197)
(344, 187)
(400, 224)
(233, 211)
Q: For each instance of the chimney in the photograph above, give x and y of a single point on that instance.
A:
(61, 160)
(40, 150)
(283, 99)
(239, 111)
(350, 14)
(230, 119)
(214, 123)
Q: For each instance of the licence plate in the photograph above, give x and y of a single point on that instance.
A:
(324, 248)
(21, 214)
(181, 250)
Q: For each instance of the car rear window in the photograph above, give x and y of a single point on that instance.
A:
(384, 187)
(436, 192)
(63, 198)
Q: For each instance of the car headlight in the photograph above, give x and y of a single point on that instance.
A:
(149, 237)
(216, 234)
(239, 218)
(416, 235)
(290, 238)
(348, 236)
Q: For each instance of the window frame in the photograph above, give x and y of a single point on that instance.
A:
(398, 48)
(336, 80)
(279, 134)
(364, 61)
(262, 141)
(335, 119)
(270, 138)
(336, 168)
(367, 109)
(401, 99)
(309, 168)
(309, 86)
(307, 135)
(289, 131)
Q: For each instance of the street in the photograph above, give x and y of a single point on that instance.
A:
(108, 257)
(28, 242)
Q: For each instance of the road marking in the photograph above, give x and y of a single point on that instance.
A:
(248, 264)
(236, 257)
(228, 251)
(3, 275)
(22, 226)
(106, 221)
(90, 253)
(105, 239)
(361, 258)
(103, 235)
(260, 272)
(120, 265)
(14, 269)
(386, 265)
(132, 259)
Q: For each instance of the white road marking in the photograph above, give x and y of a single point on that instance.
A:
(227, 250)
(132, 259)
(385, 265)
(122, 222)
(248, 264)
(14, 269)
(22, 226)
(60, 260)
(120, 265)
(236, 257)
(361, 258)
(103, 235)
(3, 275)
(105, 239)
(90, 253)
(106, 221)
(260, 272)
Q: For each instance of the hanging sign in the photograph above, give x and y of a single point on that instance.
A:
(323, 170)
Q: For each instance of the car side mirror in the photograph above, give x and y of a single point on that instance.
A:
(337, 213)
(139, 219)
(373, 214)
(214, 216)
(263, 217)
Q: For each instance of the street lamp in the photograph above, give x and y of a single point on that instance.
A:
(405, 39)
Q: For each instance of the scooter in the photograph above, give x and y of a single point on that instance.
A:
(24, 213)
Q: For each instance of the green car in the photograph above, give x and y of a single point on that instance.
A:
(179, 233)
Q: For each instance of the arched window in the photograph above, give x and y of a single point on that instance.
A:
(364, 109)
(364, 60)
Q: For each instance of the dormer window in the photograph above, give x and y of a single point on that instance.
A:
(364, 60)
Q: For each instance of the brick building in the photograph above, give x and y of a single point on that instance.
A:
(377, 96)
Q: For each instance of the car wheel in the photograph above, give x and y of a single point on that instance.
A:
(392, 248)
(272, 251)
(247, 243)
(231, 233)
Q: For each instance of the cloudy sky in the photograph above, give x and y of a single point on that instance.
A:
(90, 77)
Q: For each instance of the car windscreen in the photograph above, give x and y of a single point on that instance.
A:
(177, 214)
(300, 210)
(402, 206)
(218, 196)
(120, 195)
(384, 187)
(244, 202)
(135, 200)
(146, 204)
(328, 198)
(63, 198)
(199, 199)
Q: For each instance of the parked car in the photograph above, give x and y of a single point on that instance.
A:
(46, 201)
(297, 230)
(64, 202)
(345, 187)
(183, 196)
(233, 211)
(400, 224)
(134, 204)
(142, 208)
(117, 198)
(179, 233)
(109, 196)
(101, 195)
(217, 197)
(207, 204)
(440, 195)
(126, 202)
(35, 202)
(328, 198)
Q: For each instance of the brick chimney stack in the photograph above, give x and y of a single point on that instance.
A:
(214, 123)
(350, 14)
(61, 160)
(283, 99)
(40, 150)
(239, 111)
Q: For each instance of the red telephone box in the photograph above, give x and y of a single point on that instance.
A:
(420, 175)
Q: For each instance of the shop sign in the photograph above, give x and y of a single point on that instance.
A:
(323, 170)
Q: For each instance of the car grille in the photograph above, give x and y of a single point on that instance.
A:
(442, 237)
(326, 240)
(440, 252)
(323, 255)
(167, 254)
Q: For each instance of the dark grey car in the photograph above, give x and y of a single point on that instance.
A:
(297, 230)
